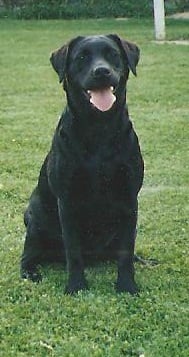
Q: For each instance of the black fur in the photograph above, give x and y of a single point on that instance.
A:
(85, 204)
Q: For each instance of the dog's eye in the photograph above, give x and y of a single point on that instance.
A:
(113, 57)
(81, 57)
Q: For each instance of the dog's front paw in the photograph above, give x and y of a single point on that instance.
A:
(128, 286)
(74, 286)
(32, 275)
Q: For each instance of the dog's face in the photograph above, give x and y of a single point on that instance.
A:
(94, 70)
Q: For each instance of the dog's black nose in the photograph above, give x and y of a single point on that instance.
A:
(101, 72)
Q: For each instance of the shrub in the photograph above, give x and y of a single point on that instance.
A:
(49, 9)
(56, 9)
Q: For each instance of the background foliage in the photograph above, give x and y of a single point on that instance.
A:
(55, 9)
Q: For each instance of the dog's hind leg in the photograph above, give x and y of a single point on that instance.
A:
(36, 221)
(30, 259)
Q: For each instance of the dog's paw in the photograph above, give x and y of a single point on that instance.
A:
(127, 286)
(74, 287)
(32, 275)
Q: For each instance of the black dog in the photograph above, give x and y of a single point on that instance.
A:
(85, 202)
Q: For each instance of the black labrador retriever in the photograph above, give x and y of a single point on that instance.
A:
(85, 202)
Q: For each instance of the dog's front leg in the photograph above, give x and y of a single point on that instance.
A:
(127, 234)
(71, 238)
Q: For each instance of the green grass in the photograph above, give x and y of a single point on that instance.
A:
(39, 320)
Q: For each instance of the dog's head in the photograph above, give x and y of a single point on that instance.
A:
(94, 70)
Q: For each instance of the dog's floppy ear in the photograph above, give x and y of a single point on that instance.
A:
(58, 61)
(59, 58)
(130, 50)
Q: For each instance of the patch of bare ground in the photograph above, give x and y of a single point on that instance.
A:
(179, 16)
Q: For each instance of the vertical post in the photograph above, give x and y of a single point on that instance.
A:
(159, 19)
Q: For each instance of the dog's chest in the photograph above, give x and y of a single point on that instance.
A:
(99, 178)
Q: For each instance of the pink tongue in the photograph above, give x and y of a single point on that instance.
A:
(102, 99)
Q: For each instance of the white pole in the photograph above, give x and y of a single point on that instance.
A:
(159, 19)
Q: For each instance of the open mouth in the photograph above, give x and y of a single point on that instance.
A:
(102, 98)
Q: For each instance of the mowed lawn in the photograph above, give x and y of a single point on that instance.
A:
(39, 320)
